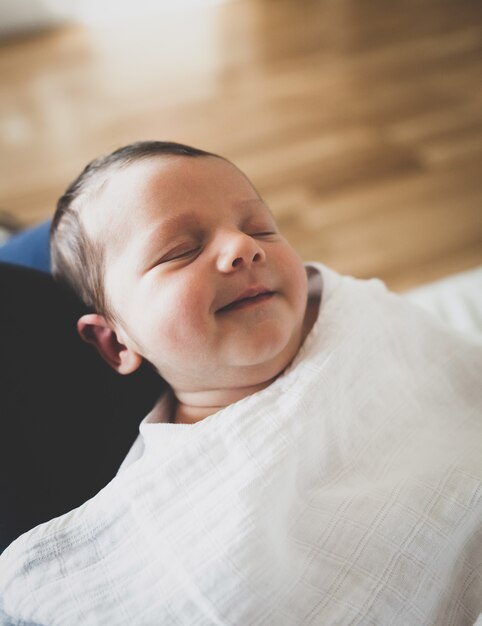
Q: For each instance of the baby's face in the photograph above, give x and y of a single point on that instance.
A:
(204, 284)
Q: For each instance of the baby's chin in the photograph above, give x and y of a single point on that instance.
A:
(266, 355)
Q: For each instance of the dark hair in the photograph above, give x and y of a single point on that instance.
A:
(77, 261)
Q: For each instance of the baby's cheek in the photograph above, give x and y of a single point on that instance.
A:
(184, 320)
(294, 274)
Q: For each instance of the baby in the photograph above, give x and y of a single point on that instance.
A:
(183, 264)
(317, 458)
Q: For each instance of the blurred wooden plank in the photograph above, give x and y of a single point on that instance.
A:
(360, 123)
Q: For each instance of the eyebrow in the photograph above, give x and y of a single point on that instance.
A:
(172, 224)
(176, 222)
(245, 205)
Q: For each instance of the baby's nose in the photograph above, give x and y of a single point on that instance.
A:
(238, 251)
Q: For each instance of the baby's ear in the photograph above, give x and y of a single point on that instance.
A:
(95, 329)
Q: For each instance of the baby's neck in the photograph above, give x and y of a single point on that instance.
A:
(190, 409)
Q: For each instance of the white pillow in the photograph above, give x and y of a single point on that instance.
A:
(456, 300)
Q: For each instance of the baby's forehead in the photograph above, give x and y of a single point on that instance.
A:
(117, 193)
(138, 195)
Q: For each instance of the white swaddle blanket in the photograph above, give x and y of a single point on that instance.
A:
(348, 492)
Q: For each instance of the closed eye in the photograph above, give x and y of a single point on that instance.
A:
(179, 254)
(267, 233)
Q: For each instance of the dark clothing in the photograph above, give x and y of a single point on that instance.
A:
(66, 419)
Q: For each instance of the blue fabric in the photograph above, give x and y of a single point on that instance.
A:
(29, 248)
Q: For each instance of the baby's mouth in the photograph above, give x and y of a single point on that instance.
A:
(248, 298)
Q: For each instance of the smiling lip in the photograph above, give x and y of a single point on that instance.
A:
(250, 297)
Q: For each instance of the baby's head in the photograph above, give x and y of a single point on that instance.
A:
(181, 263)
(78, 260)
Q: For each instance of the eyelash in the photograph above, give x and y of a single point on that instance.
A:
(183, 255)
(263, 234)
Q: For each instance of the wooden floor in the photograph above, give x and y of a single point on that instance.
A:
(359, 122)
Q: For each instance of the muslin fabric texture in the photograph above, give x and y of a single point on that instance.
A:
(347, 492)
